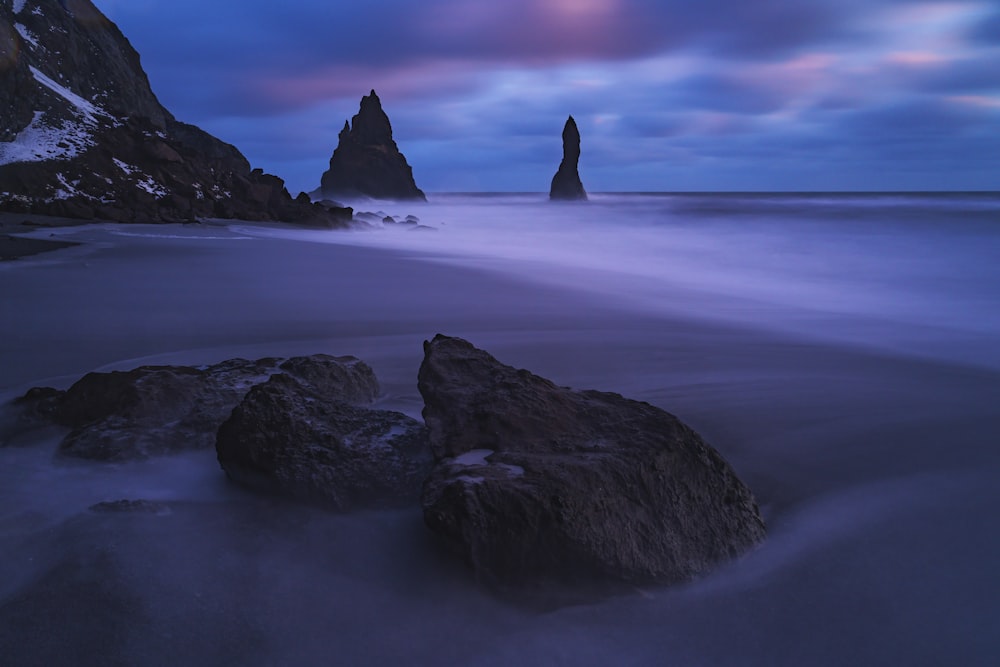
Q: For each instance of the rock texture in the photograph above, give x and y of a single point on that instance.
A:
(367, 162)
(153, 410)
(538, 483)
(82, 135)
(288, 438)
(566, 183)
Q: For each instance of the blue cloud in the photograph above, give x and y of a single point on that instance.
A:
(710, 95)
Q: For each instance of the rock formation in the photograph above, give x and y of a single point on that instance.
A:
(538, 487)
(367, 162)
(538, 483)
(286, 437)
(153, 410)
(298, 427)
(82, 135)
(566, 183)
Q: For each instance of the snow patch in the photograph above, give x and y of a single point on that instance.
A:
(26, 34)
(89, 110)
(473, 457)
(477, 457)
(39, 142)
(512, 470)
(19, 5)
(127, 168)
(152, 187)
(469, 479)
(68, 189)
(17, 198)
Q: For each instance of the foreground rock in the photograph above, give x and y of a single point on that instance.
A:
(566, 184)
(83, 136)
(153, 410)
(538, 483)
(367, 162)
(288, 438)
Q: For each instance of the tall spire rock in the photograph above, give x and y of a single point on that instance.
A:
(82, 135)
(566, 183)
(367, 162)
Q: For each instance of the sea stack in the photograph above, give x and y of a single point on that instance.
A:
(566, 183)
(367, 162)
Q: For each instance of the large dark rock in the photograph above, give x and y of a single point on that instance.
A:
(367, 162)
(566, 183)
(536, 483)
(286, 437)
(82, 135)
(153, 410)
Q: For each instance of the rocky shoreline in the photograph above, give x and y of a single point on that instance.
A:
(529, 483)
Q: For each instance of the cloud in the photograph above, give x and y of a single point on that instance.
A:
(707, 94)
(233, 45)
(987, 30)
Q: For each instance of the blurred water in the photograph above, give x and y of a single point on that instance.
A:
(840, 350)
(916, 273)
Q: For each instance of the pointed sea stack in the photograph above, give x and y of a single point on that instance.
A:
(566, 183)
(367, 162)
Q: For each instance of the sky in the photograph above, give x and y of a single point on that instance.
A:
(669, 95)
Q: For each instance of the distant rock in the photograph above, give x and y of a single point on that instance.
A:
(368, 216)
(154, 410)
(83, 136)
(127, 506)
(566, 183)
(538, 484)
(289, 438)
(367, 162)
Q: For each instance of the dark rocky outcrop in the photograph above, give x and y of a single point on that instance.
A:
(367, 162)
(566, 183)
(153, 410)
(285, 437)
(83, 136)
(536, 483)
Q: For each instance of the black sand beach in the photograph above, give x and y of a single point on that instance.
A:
(875, 472)
(13, 246)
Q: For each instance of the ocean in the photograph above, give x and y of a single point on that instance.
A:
(842, 351)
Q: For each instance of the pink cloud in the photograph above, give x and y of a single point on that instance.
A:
(805, 75)
(981, 101)
(917, 58)
(340, 81)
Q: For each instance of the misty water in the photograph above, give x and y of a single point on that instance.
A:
(841, 351)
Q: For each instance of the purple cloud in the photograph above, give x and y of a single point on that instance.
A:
(705, 95)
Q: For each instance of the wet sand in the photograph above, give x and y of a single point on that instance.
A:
(14, 246)
(876, 474)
